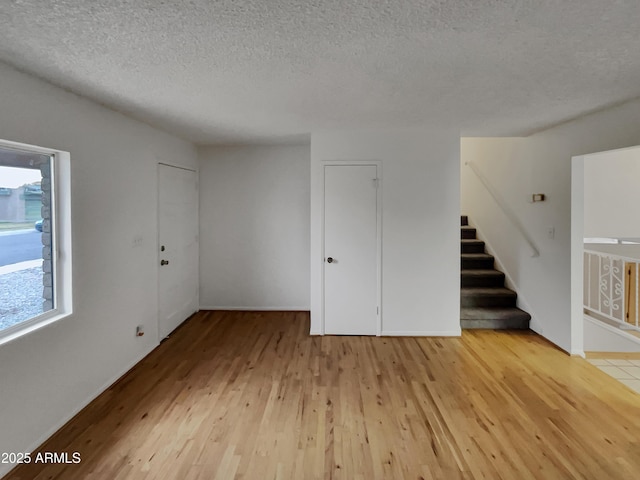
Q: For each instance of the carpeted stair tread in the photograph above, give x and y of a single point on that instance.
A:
(476, 255)
(476, 261)
(467, 232)
(494, 291)
(494, 318)
(487, 297)
(482, 272)
(471, 313)
(481, 278)
(471, 245)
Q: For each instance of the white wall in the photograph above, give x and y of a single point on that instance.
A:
(254, 227)
(601, 337)
(420, 225)
(49, 374)
(612, 194)
(541, 163)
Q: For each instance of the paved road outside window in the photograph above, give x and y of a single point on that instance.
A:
(20, 246)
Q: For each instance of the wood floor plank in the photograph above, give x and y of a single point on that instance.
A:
(250, 395)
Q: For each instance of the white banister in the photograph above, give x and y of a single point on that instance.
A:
(606, 288)
(505, 208)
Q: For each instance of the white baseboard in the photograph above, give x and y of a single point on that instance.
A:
(408, 333)
(258, 309)
(421, 333)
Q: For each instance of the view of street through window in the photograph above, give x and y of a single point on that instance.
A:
(21, 245)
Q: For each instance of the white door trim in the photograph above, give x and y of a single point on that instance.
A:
(577, 248)
(352, 163)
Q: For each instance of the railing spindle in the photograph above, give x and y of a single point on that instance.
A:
(636, 292)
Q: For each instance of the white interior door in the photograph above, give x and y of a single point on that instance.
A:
(350, 250)
(178, 247)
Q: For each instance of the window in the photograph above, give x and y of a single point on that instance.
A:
(35, 241)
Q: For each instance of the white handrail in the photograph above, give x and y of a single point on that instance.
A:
(505, 208)
(615, 255)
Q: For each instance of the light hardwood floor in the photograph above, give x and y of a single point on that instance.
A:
(253, 396)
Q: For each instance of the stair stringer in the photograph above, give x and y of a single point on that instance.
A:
(521, 301)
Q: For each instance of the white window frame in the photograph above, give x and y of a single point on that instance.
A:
(60, 242)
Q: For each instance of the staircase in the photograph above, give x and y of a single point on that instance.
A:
(484, 300)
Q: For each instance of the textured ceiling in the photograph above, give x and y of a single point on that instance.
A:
(232, 71)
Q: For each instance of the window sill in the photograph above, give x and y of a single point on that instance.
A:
(24, 328)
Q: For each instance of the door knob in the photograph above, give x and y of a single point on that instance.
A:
(330, 260)
(164, 262)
